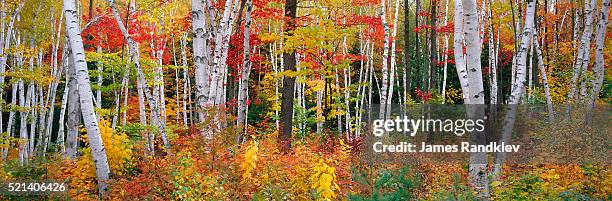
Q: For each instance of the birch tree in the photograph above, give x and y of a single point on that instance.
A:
(492, 58)
(153, 104)
(583, 51)
(599, 68)
(458, 53)
(200, 35)
(86, 95)
(245, 72)
(519, 85)
(478, 162)
(385, 56)
(549, 104)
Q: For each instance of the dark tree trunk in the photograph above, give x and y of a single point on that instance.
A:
(432, 45)
(407, 66)
(286, 117)
(416, 42)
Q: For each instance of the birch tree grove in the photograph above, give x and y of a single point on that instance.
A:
(304, 100)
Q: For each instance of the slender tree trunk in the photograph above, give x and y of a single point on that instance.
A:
(393, 57)
(551, 111)
(385, 56)
(530, 56)
(517, 90)
(445, 52)
(185, 77)
(85, 96)
(433, 43)
(24, 101)
(599, 68)
(407, 67)
(153, 104)
(61, 133)
(583, 52)
(458, 43)
(245, 73)
(492, 59)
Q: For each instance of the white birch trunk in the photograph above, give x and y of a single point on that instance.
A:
(23, 131)
(530, 71)
(244, 74)
(473, 48)
(85, 96)
(185, 78)
(393, 59)
(549, 106)
(478, 162)
(583, 51)
(444, 71)
(492, 59)
(385, 57)
(153, 104)
(458, 44)
(217, 70)
(74, 111)
(61, 133)
(599, 68)
(517, 90)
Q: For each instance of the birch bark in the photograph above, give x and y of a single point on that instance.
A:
(153, 104)
(492, 58)
(583, 51)
(458, 44)
(385, 57)
(599, 68)
(85, 96)
(74, 110)
(518, 88)
(245, 73)
(549, 106)
(478, 162)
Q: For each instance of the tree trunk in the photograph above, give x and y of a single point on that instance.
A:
(444, 71)
(478, 162)
(244, 74)
(473, 48)
(458, 44)
(288, 82)
(492, 59)
(185, 77)
(517, 90)
(549, 105)
(583, 51)
(407, 67)
(153, 104)
(385, 57)
(431, 74)
(599, 68)
(74, 111)
(85, 96)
